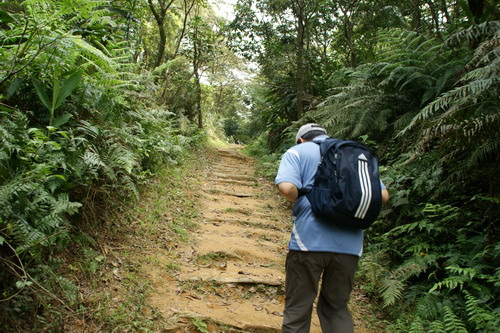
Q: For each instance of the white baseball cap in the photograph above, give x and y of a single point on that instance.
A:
(307, 128)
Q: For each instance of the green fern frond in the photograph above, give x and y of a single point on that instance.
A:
(25, 235)
(88, 129)
(169, 64)
(371, 118)
(92, 159)
(391, 284)
(417, 325)
(428, 307)
(468, 272)
(450, 283)
(472, 127)
(472, 33)
(95, 55)
(63, 205)
(422, 225)
(488, 52)
(419, 248)
(403, 120)
(104, 50)
(120, 157)
(484, 320)
(489, 72)
(484, 152)
(392, 291)
(373, 268)
(49, 223)
(437, 326)
(130, 186)
(458, 97)
(453, 324)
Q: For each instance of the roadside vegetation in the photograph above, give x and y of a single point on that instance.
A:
(113, 290)
(89, 114)
(418, 82)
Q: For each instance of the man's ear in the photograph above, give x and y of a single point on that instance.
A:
(302, 140)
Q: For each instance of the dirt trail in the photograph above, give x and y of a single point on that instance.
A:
(230, 275)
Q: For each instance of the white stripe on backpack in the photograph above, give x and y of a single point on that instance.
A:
(366, 187)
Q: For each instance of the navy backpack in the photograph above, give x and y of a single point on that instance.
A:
(347, 189)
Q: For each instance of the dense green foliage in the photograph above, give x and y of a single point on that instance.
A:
(419, 82)
(89, 108)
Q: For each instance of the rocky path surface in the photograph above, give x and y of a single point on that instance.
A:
(229, 276)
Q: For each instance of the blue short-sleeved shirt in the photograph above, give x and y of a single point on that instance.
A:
(298, 166)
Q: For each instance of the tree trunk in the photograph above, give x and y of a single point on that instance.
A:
(435, 18)
(477, 9)
(349, 34)
(188, 6)
(198, 99)
(159, 15)
(300, 66)
(417, 16)
(347, 12)
(196, 70)
(444, 9)
(161, 45)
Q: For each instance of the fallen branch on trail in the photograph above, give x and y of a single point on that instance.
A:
(235, 155)
(238, 328)
(244, 280)
(230, 176)
(252, 224)
(233, 194)
(233, 182)
(192, 315)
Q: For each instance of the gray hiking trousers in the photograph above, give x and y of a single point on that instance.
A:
(303, 272)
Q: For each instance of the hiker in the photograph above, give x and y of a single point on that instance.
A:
(316, 248)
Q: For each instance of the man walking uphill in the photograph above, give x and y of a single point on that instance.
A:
(316, 248)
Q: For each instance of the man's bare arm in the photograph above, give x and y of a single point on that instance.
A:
(289, 191)
(385, 195)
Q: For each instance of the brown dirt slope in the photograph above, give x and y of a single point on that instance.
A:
(230, 273)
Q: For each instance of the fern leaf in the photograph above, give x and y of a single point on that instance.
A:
(437, 326)
(92, 162)
(459, 96)
(95, 55)
(451, 282)
(417, 325)
(391, 291)
(471, 34)
(89, 129)
(452, 323)
(428, 307)
(62, 205)
(482, 319)
(484, 152)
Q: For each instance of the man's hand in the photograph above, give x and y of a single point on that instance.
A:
(289, 191)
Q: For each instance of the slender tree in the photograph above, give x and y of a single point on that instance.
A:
(200, 49)
(304, 12)
(159, 11)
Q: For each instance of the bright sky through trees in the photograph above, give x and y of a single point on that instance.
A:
(223, 8)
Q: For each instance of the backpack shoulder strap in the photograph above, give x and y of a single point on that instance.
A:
(327, 144)
(324, 145)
